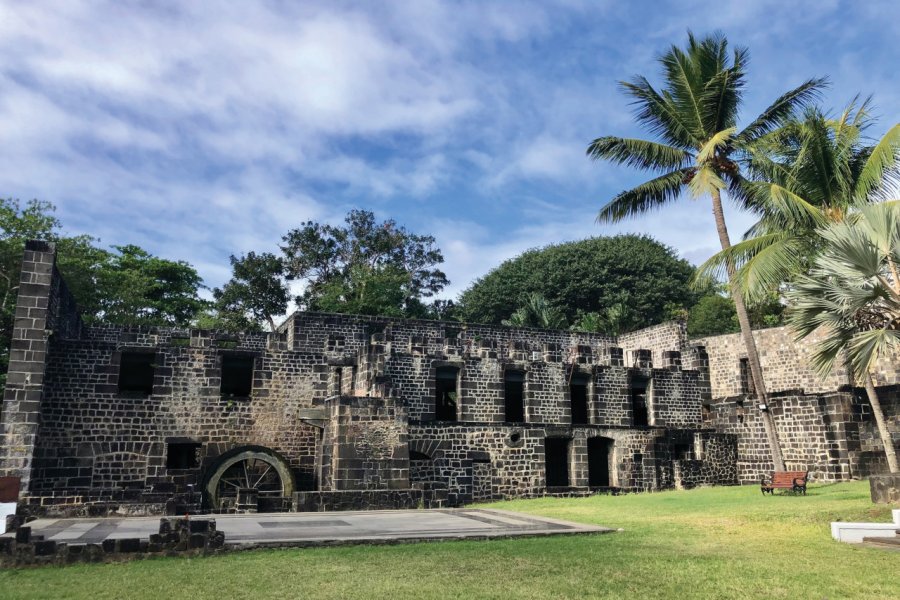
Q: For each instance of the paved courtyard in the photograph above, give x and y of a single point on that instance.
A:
(326, 528)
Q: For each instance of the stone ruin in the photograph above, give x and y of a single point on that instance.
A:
(350, 412)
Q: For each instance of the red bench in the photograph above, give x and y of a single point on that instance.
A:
(785, 480)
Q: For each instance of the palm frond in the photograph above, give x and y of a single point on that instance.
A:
(782, 108)
(705, 182)
(880, 171)
(644, 197)
(658, 114)
(792, 206)
(866, 346)
(637, 153)
(717, 141)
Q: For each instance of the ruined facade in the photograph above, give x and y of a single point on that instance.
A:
(338, 411)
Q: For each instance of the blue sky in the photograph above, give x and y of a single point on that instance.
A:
(202, 129)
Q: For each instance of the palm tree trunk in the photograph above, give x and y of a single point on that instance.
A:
(747, 334)
(889, 450)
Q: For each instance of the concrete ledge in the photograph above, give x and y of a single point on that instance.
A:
(853, 533)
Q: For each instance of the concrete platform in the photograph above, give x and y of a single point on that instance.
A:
(327, 528)
(853, 533)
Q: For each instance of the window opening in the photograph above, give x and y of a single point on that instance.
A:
(747, 386)
(514, 396)
(182, 455)
(136, 373)
(578, 395)
(556, 459)
(237, 376)
(446, 394)
(599, 459)
(640, 412)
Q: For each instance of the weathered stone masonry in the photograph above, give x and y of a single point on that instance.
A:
(335, 411)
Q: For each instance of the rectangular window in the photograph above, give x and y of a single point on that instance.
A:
(237, 375)
(446, 393)
(639, 407)
(136, 373)
(747, 386)
(180, 455)
(514, 396)
(578, 395)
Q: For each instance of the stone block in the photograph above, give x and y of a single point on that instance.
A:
(23, 535)
(885, 489)
(45, 548)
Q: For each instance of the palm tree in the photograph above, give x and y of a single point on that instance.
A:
(694, 118)
(537, 312)
(853, 293)
(807, 175)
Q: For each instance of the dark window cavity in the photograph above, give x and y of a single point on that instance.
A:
(578, 394)
(182, 455)
(136, 373)
(599, 461)
(746, 375)
(556, 459)
(445, 393)
(684, 451)
(237, 375)
(514, 396)
(640, 412)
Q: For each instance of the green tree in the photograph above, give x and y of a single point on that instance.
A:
(137, 288)
(712, 315)
(537, 312)
(853, 292)
(587, 276)
(256, 293)
(808, 174)
(128, 287)
(694, 118)
(363, 267)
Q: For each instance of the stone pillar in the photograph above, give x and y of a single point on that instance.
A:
(20, 417)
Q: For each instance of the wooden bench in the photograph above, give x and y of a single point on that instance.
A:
(785, 480)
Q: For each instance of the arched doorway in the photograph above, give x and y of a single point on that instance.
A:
(247, 468)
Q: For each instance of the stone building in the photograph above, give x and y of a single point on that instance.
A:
(337, 411)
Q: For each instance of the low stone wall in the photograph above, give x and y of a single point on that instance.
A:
(176, 537)
(369, 500)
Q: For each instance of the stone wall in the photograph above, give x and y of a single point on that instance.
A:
(509, 461)
(657, 339)
(367, 445)
(785, 363)
(339, 401)
(832, 435)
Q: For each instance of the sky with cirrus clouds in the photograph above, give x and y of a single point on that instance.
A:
(203, 129)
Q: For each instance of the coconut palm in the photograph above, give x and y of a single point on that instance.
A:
(537, 311)
(807, 174)
(694, 120)
(853, 294)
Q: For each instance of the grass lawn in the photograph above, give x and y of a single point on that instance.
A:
(706, 543)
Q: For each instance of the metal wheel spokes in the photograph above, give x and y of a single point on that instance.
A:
(250, 473)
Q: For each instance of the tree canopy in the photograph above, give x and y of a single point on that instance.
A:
(363, 267)
(587, 276)
(125, 285)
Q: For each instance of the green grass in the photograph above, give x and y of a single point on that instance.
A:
(706, 543)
